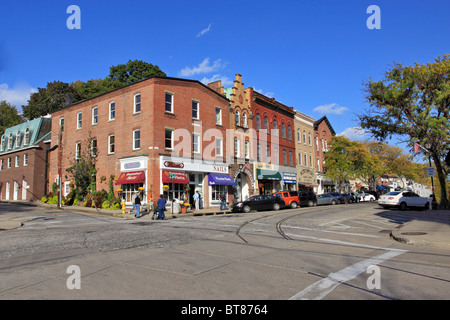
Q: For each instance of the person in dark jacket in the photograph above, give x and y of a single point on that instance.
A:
(137, 205)
(161, 207)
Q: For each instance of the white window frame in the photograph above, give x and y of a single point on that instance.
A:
(16, 162)
(170, 102)
(9, 162)
(136, 140)
(197, 103)
(171, 139)
(113, 145)
(218, 120)
(10, 141)
(25, 159)
(26, 137)
(112, 111)
(78, 151)
(79, 120)
(247, 150)
(219, 147)
(94, 116)
(18, 139)
(196, 143)
(136, 104)
(237, 151)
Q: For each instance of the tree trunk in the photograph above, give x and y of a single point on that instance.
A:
(444, 204)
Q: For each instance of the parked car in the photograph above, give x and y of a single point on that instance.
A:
(404, 200)
(348, 197)
(290, 198)
(366, 197)
(307, 198)
(259, 202)
(327, 198)
(338, 195)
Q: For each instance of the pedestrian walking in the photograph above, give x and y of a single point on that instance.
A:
(223, 202)
(136, 205)
(197, 200)
(161, 207)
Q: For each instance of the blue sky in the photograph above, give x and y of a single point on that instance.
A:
(312, 55)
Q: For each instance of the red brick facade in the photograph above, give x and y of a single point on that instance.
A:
(148, 117)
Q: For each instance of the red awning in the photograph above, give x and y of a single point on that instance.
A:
(180, 177)
(131, 177)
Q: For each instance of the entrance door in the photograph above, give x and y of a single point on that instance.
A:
(16, 190)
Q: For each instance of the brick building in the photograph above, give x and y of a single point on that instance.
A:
(323, 131)
(275, 166)
(305, 148)
(243, 139)
(157, 134)
(23, 152)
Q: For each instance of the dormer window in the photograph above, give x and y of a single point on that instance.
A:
(18, 139)
(10, 141)
(26, 137)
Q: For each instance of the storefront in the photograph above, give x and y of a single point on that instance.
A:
(132, 178)
(192, 175)
(307, 180)
(269, 181)
(289, 181)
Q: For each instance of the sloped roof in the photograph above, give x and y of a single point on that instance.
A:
(327, 122)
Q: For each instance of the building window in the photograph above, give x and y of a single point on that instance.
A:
(266, 124)
(284, 157)
(268, 154)
(218, 116)
(277, 156)
(283, 131)
(94, 147)
(9, 162)
(309, 139)
(258, 152)
(112, 111)
(169, 103)
(238, 118)
(79, 120)
(111, 144)
(78, 151)
(236, 147)
(17, 162)
(18, 139)
(275, 127)
(169, 139)
(196, 143)
(26, 137)
(304, 137)
(299, 158)
(291, 159)
(258, 122)
(247, 150)
(289, 133)
(25, 159)
(10, 141)
(137, 103)
(94, 116)
(1, 164)
(219, 145)
(216, 191)
(136, 139)
(3, 144)
(195, 111)
(244, 120)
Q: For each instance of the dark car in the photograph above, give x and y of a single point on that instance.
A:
(337, 195)
(307, 198)
(348, 197)
(260, 202)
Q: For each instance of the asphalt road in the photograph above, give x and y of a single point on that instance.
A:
(339, 252)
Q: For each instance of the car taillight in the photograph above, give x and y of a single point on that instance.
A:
(390, 198)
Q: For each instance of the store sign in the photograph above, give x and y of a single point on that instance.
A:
(431, 172)
(171, 164)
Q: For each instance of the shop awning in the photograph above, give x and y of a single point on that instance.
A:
(131, 177)
(216, 179)
(262, 174)
(179, 177)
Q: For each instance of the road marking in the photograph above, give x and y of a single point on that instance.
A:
(321, 288)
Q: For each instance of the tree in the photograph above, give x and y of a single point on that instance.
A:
(413, 102)
(9, 116)
(83, 169)
(134, 71)
(49, 99)
(94, 87)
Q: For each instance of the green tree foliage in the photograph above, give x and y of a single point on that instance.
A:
(49, 99)
(413, 102)
(134, 71)
(9, 116)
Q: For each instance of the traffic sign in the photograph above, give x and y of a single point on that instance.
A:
(431, 172)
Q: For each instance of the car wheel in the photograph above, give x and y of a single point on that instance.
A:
(403, 206)
(294, 205)
(276, 206)
(333, 202)
(246, 209)
(310, 203)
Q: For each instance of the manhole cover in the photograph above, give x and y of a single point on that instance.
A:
(414, 233)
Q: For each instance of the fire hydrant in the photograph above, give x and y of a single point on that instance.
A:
(123, 207)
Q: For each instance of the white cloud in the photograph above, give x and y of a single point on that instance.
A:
(332, 108)
(354, 133)
(226, 82)
(204, 31)
(17, 96)
(203, 67)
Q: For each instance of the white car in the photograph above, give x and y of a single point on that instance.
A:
(403, 200)
(366, 197)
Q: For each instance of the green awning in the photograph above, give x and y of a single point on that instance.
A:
(262, 174)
